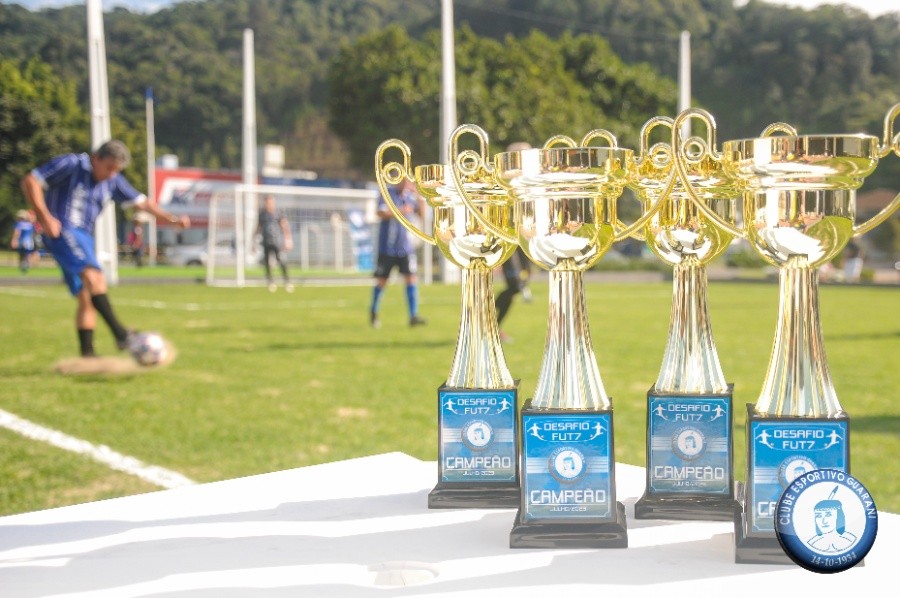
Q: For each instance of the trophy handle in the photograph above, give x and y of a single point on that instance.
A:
(471, 163)
(660, 154)
(632, 230)
(779, 127)
(391, 174)
(694, 150)
(890, 142)
(559, 140)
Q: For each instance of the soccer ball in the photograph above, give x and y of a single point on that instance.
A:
(148, 348)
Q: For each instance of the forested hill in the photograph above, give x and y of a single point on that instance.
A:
(827, 70)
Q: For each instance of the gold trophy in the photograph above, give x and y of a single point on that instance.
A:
(799, 210)
(690, 471)
(477, 404)
(565, 221)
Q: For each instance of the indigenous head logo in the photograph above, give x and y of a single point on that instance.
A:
(477, 435)
(688, 443)
(826, 521)
(794, 467)
(567, 464)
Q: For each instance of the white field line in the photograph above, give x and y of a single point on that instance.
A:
(198, 307)
(102, 453)
(168, 305)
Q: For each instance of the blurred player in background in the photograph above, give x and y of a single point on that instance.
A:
(395, 250)
(67, 194)
(23, 240)
(273, 227)
(516, 271)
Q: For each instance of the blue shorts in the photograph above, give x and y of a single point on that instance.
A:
(74, 251)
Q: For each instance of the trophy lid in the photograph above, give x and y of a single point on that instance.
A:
(804, 161)
(575, 169)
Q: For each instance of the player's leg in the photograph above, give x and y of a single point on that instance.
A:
(282, 263)
(504, 299)
(383, 269)
(407, 267)
(85, 322)
(268, 250)
(73, 251)
(95, 283)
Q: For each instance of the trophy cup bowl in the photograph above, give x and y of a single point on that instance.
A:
(565, 221)
(477, 404)
(799, 211)
(689, 409)
(801, 193)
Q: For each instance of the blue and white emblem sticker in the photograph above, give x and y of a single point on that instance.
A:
(477, 435)
(567, 464)
(688, 443)
(826, 521)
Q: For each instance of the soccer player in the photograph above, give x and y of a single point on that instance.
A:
(67, 194)
(275, 231)
(395, 250)
(23, 238)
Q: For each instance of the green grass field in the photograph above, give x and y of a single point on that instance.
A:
(265, 382)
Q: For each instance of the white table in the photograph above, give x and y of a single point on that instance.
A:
(361, 528)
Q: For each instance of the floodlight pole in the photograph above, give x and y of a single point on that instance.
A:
(105, 227)
(449, 272)
(245, 207)
(684, 79)
(151, 174)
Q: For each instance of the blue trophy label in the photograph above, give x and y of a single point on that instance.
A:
(826, 521)
(689, 445)
(478, 436)
(568, 466)
(781, 452)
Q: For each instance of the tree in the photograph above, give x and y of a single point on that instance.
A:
(39, 118)
(521, 89)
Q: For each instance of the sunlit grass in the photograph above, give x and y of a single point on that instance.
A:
(269, 381)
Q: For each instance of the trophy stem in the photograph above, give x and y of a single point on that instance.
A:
(798, 383)
(691, 363)
(479, 361)
(570, 377)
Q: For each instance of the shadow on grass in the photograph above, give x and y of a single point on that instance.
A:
(884, 334)
(365, 346)
(878, 424)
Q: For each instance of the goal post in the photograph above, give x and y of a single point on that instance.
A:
(334, 230)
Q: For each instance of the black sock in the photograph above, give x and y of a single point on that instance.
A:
(86, 342)
(101, 304)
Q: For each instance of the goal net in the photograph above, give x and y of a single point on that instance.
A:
(334, 230)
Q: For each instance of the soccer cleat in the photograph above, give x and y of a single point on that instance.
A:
(125, 344)
(417, 321)
(373, 320)
(526, 294)
(273, 287)
(288, 287)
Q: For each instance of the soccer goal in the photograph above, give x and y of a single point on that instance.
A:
(333, 231)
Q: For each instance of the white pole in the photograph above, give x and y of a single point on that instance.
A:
(105, 227)
(151, 175)
(248, 222)
(684, 79)
(449, 272)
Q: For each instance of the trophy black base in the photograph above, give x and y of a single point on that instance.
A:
(755, 550)
(475, 496)
(685, 508)
(568, 497)
(577, 534)
(478, 456)
(689, 473)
